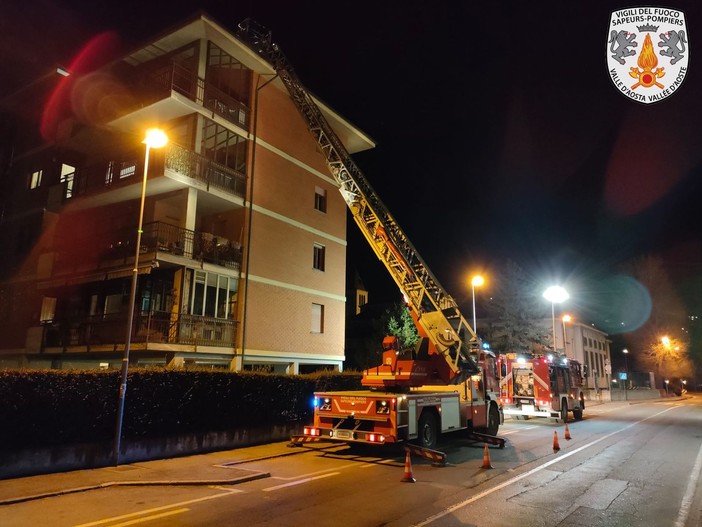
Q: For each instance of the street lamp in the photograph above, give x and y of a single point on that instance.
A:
(626, 371)
(666, 387)
(155, 138)
(566, 318)
(555, 294)
(477, 281)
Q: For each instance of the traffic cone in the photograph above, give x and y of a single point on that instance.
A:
(486, 457)
(567, 433)
(408, 478)
(556, 446)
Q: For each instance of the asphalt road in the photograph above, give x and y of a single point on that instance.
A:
(635, 465)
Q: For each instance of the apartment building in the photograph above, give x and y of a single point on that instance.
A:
(241, 262)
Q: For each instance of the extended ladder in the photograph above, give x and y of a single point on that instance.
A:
(437, 312)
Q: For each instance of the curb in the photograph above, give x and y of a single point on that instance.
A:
(183, 483)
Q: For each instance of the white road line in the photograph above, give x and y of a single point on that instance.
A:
(300, 481)
(309, 474)
(152, 517)
(156, 509)
(690, 491)
(509, 482)
(509, 432)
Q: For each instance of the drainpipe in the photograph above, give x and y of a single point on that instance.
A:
(248, 233)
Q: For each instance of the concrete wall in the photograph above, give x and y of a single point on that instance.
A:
(94, 455)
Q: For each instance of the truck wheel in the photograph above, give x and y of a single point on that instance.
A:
(428, 432)
(577, 414)
(564, 411)
(493, 420)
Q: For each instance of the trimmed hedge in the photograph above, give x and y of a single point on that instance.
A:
(54, 407)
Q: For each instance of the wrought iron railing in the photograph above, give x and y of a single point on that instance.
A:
(211, 173)
(174, 77)
(153, 327)
(162, 237)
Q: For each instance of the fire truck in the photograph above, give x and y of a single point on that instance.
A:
(448, 383)
(540, 386)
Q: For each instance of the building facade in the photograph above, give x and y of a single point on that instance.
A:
(589, 346)
(242, 257)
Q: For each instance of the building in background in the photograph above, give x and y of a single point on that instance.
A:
(589, 346)
(243, 251)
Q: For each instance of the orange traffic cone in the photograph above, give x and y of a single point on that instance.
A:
(486, 457)
(567, 433)
(408, 478)
(556, 446)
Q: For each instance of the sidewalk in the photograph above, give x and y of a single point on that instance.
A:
(216, 468)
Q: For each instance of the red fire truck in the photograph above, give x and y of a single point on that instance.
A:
(448, 383)
(540, 386)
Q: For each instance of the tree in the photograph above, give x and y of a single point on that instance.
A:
(669, 357)
(661, 344)
(399, 323)
(516, 313)
(366, 331)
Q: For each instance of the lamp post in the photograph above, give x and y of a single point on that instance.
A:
(667, 382)
(155, 138)
(477, 281)
(626, 371)
(555, 294)
(565, 318)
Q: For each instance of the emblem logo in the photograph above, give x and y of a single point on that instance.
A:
(647, 52)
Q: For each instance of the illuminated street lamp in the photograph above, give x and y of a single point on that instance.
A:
(666, 387)
(555, 294)
(477, 281)
(155, 138)
(565, 318)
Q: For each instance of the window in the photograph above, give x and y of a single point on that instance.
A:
(214, 295)
(48, 309)
(68, 174)
(318, 257)
(35, 179)
(320, 199)
(127, 169)
(317, 318)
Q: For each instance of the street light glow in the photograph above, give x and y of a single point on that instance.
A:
(155, 138)
(477, 281)
(556, 294)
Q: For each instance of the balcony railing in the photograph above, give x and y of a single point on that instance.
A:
(174, 77)
(162, 237)
(211, 173)
(155, 327)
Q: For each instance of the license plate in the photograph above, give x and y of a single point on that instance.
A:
(527, 408)
(343, 434)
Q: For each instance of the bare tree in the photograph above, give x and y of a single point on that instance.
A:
(662, 343)
(516, 311)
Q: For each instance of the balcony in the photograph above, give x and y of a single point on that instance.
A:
(211, 173)
(165, 91)
(108, 331)
(165, 238)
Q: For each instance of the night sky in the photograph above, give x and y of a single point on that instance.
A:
(499, 132)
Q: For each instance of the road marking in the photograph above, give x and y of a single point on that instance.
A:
(509, 482)
(149, 518)
(690, 491)
(300, 481)
(157, 509)
(509, 432)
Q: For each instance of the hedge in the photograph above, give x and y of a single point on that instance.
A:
(53, 407)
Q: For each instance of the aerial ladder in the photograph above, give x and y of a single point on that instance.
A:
(450, 353)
